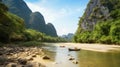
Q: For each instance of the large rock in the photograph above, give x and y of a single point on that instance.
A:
(46, 57)
(22, 61)
(12, 65)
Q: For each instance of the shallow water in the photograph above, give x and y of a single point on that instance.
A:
(60, 57)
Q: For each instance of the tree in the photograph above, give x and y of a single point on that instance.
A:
(9, 24)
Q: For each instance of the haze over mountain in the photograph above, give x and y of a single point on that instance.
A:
(32, 20)
(68, 37)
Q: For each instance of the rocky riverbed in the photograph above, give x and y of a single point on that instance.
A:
(20, 56)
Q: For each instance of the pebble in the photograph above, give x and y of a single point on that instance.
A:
(75, 62)
(71, 58)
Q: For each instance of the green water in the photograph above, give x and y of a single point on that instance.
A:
(98, 59)
(60, 57)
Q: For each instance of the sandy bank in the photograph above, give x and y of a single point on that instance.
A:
(92, 47)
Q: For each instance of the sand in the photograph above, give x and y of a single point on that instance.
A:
(91, 47)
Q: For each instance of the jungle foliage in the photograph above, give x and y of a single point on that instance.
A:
(106, 31)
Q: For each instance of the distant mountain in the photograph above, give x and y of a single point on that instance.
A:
(32, 20)
(68, 37)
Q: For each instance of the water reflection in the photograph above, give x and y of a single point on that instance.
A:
(98, 59)
(85, 58)
(62, 58)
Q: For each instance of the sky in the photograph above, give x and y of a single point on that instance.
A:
(63, 14)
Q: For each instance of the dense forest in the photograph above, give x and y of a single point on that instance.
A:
(12, 29)
(100, 23)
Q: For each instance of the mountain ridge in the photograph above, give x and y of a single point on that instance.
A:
(33, 20)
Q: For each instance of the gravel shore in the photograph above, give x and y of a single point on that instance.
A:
(20, 56)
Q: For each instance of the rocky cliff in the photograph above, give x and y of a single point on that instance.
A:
(19, 8)
(32, 20)
(100, 22)
(51, 30)
(94, 12)
(37, 22)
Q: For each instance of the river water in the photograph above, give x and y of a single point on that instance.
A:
(60, 57)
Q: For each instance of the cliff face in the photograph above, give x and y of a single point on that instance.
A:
(19, 8)
(32, 20)
(100, 23)
(37, 22)
(51, 30)
(95, 12)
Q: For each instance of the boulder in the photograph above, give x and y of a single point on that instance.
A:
(22, 61)
(46, 57)
(33, 55)
(11, 65)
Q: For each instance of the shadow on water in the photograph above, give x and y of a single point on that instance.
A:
(85, 58)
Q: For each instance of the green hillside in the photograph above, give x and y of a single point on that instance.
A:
(12, 29)
(100, 24)
(33, 20)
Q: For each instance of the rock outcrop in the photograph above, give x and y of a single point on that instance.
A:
(94, 12)
(100, 23)
(37, 22)
(51, 30)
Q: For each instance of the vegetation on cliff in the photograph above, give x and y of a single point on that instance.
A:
(33, 20)
(12, 29)
(105, 30)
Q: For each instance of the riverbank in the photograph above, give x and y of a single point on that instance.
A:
(92, 47)
(14, 55)
(20, 56)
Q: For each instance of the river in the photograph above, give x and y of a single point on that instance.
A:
(85, 58)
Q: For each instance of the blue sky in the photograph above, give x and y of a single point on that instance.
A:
(63, 14)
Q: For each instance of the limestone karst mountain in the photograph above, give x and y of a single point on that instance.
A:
(32, 20)
(100, 22)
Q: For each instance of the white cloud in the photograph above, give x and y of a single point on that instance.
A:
(63, 30)
(55, 16)
(46, 12)
(50, 14)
